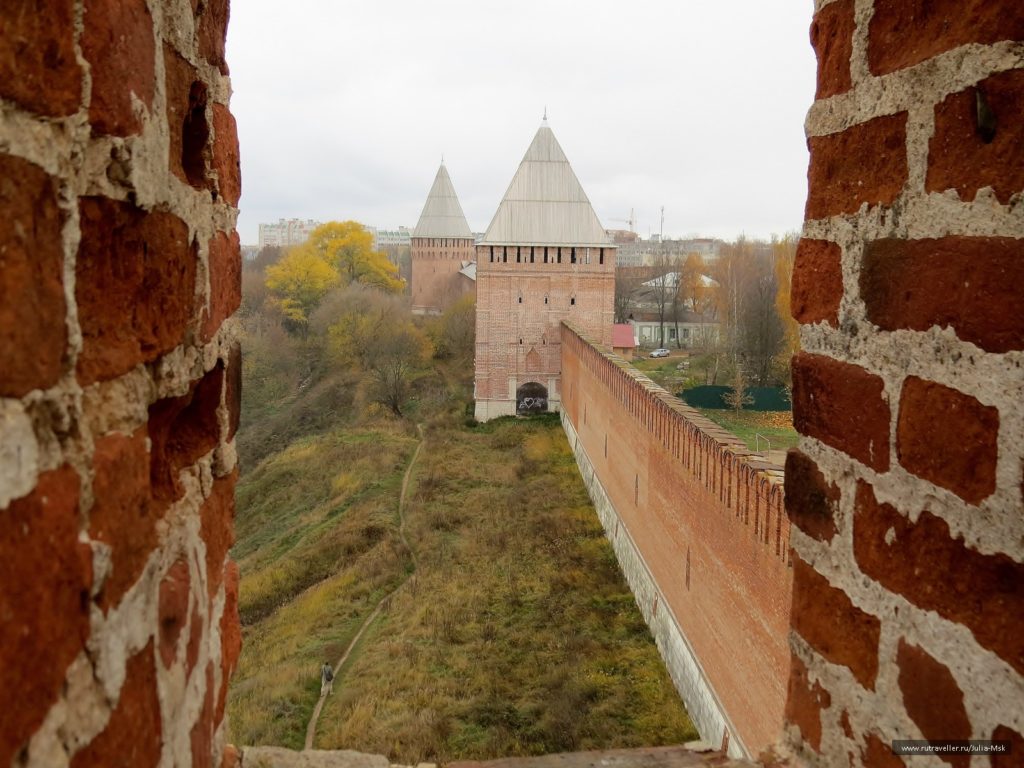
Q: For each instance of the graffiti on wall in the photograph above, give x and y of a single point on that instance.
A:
(531, 398)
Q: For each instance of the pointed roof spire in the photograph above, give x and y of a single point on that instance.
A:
(442, 214)
(545, 202)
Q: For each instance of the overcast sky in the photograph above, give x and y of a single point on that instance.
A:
(345, 108)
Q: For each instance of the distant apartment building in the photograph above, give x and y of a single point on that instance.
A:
(646, 253)
(286, 232)
(250, 252)
(390, 238)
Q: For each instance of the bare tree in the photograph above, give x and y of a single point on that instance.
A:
(752, 332)
(662, 289)
(626, 286)
(737, 398)
(395, 354)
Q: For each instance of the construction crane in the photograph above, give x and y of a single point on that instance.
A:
(631, 221)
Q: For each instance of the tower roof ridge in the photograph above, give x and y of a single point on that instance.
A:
(442, 214)
(545, 202)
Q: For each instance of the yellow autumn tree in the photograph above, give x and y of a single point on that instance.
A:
(348, 247)
(784, 253)
(299, 281)
(337, 253)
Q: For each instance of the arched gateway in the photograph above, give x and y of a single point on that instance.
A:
(531, 397)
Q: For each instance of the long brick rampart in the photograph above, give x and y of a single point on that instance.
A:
(698, 524)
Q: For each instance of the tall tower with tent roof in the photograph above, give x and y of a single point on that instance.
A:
(442, 250)
(545, 258)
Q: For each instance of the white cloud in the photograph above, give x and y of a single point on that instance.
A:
(345, 109)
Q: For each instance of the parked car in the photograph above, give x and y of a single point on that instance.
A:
(660, 353)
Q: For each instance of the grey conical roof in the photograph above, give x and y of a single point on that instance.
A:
(545, 202)
(442, 215)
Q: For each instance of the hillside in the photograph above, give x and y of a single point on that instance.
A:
(516, 635)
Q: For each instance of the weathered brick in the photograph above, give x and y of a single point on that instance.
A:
(33, 334)
(226, 159)
(44, 604)
(817, 282)
(135, 280)
(117, 41)
(916, 559)
(933, 699)
(878, 754)
(225, 281)
(217, 527)
(213, 28)
(233, 390)
(122, 515)
(854, 417)
(948, 438)
(181, 430)
(133, 733)
(837, 629)
(810, 501)
(38, 69)
(1016, 747)
(186, 120)
(972, 287)
(863, 164)
(972, 149)
(172, 609)
(230, 635)
(195, 637)
(906, 32)
(804, 703)
(201, 735)
(832, 38)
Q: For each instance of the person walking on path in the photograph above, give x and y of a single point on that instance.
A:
(326, 679)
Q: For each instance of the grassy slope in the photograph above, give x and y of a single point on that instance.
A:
(517, 636)
(776, 426)
(317, 545)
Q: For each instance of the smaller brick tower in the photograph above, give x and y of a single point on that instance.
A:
(442, 249)
(545, 259)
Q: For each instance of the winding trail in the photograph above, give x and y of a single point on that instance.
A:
(315, 717)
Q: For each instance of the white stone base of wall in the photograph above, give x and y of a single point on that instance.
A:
(691, 682)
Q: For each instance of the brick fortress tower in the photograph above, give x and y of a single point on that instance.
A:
(442, 250)
(545, 259)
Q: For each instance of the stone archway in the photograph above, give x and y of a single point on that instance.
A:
(531, 398)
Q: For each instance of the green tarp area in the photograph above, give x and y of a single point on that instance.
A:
(765, 398)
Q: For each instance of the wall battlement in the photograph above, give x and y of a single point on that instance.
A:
(707, 520)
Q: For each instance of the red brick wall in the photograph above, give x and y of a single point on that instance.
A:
(520, 307)
(436, 283)
(708, 519)
(119, 363)
(906, 493)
